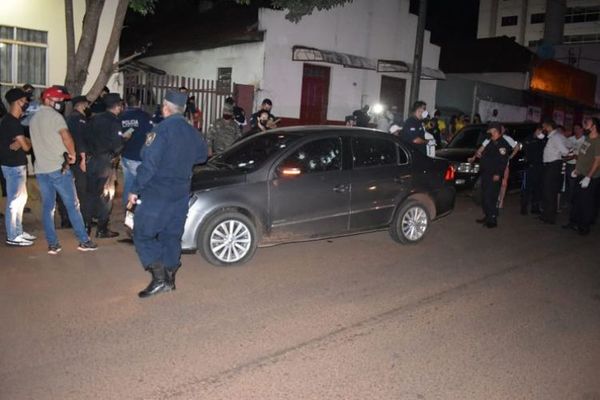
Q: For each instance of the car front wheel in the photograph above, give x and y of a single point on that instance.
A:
(228, 239)
(410, 223)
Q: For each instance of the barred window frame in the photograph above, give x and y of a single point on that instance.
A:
(17, 43)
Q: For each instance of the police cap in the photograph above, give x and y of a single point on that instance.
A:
(495, 125)
(110, 99)
(177, 98)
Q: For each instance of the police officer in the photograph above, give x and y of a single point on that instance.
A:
(162, 190)
(135, 124)
(104, 144)
(413, 130)
(531, 190)
(77, 122)
(494, 159)
(223, 132)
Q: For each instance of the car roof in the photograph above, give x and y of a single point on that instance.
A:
(306, 130)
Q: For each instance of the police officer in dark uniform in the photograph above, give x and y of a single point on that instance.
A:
(104, 145)
(494, 160)
(161, 192)
(531, 190)
(77, 122)
(413, 130)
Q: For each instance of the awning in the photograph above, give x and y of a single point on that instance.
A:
(401, 66)
(303, 53)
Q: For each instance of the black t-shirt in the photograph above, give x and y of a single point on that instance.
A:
(494, 158)
(10, 127)
(412, 129)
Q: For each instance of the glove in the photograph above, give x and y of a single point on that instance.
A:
(574, 174)
(585, 182)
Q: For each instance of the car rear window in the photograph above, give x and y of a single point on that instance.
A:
(251, 153)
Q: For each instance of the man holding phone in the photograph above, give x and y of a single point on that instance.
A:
(135, 124)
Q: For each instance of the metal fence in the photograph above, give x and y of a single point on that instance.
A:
(151, 89)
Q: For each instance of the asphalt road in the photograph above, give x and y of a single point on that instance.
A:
(470, 313)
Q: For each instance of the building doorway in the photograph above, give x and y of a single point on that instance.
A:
(393, 93)
(315, 95)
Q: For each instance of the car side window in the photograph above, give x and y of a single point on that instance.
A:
(317, 156)
(468, 138)
(371, 152)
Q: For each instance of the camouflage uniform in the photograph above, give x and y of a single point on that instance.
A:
(221, 135)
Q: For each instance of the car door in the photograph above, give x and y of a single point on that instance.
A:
(309, 192)
(380, 176)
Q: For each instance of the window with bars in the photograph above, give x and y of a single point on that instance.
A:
(509, 21)
(587, 38)
(23, 56)
(582, 14)
(538, 18)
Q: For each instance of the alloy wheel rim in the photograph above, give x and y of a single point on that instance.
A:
(414, 223)
(230, 241)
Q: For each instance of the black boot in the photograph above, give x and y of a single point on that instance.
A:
(171, 272)
(159, 282)
(104, 233)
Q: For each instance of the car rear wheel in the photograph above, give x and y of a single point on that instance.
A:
(410, 223)
(228, 239)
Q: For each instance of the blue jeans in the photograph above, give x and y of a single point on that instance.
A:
(51, 184)
(16, 197)
(129, 173)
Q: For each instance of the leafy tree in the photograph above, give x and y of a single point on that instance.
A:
(296, 9)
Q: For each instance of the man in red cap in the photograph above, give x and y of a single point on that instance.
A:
(53, 143)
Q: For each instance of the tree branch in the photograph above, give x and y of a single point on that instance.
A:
(70, 43)
(106, 68)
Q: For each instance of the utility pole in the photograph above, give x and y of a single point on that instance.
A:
(416, 73)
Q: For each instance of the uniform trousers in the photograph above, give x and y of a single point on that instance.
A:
(531, 192)
(552, 184)
(99, 203)
(80, 178)
(490, 190)
(157, 230)
(584, 204)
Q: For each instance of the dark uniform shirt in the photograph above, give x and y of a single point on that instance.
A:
(104, 136)
(412, 129)
(494, 158)
(77, 123)
(139, 120)
(10, 128)
(533, 149)
(362, 118)
(168, 157)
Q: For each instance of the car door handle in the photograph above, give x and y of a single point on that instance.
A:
(340, 188)
(402, 179)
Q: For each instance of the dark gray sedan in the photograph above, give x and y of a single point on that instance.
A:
(302, 183)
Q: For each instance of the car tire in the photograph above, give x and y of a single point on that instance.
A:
(228, 239)
(411, 223)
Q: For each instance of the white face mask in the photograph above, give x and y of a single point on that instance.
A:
(540, 136)
(425, 114)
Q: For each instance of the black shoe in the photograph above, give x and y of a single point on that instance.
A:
(570, 225)
(491, 224)
(481, 220)
(171, 276)
(158, 284)
(106, 234)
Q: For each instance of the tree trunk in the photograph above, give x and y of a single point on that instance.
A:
(70, 43)
(108, 64)
(77, 74)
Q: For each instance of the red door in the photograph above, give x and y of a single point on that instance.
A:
(315, 95)
(244, 97)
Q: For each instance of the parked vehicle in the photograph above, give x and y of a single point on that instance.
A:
(465, 143)
(301, 183)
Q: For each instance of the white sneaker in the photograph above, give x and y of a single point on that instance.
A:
(19, 241)
(28, 236)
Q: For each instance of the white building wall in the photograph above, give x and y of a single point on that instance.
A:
(379, 29)
(245, 60)
(49, 16)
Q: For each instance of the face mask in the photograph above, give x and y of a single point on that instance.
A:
(425, 114)
(24, 107)
(541, 136)
(59, 106)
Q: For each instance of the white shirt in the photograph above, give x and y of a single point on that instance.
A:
(575, 144)
(511, 142)
(556, 148)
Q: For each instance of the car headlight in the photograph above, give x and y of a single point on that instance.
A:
(467, 168)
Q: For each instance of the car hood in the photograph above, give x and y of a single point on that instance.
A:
(455, 154)
(209, 177)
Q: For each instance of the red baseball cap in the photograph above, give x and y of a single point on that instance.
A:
(55, 93)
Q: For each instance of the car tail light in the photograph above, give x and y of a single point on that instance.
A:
(450, 174)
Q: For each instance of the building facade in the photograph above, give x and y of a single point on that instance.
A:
(523, 20)
(322, 68)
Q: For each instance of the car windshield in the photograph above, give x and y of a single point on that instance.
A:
(251, 153)
(468, 138)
